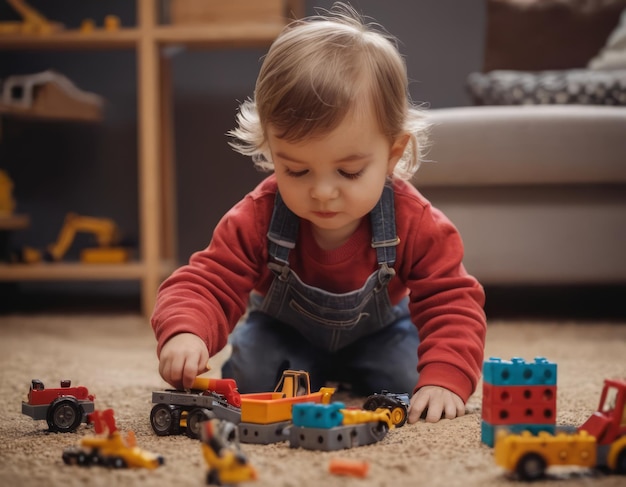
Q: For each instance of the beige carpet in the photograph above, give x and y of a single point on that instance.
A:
(114, 357)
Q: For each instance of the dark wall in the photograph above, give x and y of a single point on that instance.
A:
(91, 168)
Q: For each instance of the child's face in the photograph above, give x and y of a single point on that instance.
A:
(336, 179)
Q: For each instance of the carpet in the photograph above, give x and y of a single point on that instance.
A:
(113, 355)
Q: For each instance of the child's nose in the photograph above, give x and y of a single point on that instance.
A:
(323, 189)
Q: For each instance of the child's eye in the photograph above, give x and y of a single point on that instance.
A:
(295, 174)
(351, 175)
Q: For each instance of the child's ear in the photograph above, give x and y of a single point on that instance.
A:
(397, 150)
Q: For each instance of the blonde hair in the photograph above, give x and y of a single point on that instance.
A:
(315, 73)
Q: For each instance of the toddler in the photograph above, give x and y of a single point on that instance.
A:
(338, 265)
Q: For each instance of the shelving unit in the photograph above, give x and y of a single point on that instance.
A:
(156, 190)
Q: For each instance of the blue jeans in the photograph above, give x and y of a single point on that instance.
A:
(263, 348)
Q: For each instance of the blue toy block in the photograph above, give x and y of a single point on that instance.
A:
(489, 432)
(315, 415)
(519, 372)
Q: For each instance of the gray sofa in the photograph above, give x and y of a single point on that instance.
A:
(537, 188)
(538, 192)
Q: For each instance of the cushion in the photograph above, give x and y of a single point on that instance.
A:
(537, 35)
(576, 86)
(613, 54)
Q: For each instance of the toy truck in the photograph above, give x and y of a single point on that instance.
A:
(183, 411)
(599, 443)
(261, 416)
(64, 408)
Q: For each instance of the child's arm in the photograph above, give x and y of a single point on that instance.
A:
(182, 358)
(437, 402)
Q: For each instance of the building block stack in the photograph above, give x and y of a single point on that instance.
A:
(518, 396)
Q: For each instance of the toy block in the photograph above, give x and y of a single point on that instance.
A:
(337, 438)
(518, 404)
(489, 432)
(518, 394)
(519, 413)
(263, 434)
(313, 415)
(519, 372)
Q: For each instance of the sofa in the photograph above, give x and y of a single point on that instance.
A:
(533, 173)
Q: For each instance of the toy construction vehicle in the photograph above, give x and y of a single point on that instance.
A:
(109, 249)
(176, 412)
(64, 408)
(599, 443)
(261, 416)
(110, 449)
(222, 454)
(397, 403)
(33, 23)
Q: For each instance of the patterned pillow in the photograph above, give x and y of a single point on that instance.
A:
(575, 86)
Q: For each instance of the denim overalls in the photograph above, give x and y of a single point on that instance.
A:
(331, 324)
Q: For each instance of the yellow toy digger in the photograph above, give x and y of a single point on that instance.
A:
(222, 453)
(107, 236)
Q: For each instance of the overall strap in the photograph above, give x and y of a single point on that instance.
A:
(284, 225)
(283, 231)
(384, 237)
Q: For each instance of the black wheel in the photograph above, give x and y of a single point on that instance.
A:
(195, 418)
(165, 419)
(374, 402)
(64, 415)
(620, 466)
(118, 462)
(70, 456)
(530, 467)
(213, 478)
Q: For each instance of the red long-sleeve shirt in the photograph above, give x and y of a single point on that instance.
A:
(210, 294)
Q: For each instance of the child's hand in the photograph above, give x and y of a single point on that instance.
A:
(437, 402)
(182, 358)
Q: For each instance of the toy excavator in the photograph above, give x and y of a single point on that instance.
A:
(107, 235)
(33, 23)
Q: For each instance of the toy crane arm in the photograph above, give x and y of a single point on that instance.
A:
(33, 20)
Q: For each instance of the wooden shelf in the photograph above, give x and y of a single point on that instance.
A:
(204, 36)
(125, 38)
(77, 271)
(246, 34)
(156, 192)
(14, 222)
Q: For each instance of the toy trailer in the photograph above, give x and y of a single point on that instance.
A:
(63, 408)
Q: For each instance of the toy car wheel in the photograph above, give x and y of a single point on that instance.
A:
(213, 478)
(64, 415)
(531, 467)
(195, 419)
(372, 403)
(165, 419)
(118, 462)
(398, 416)
(70, 456)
